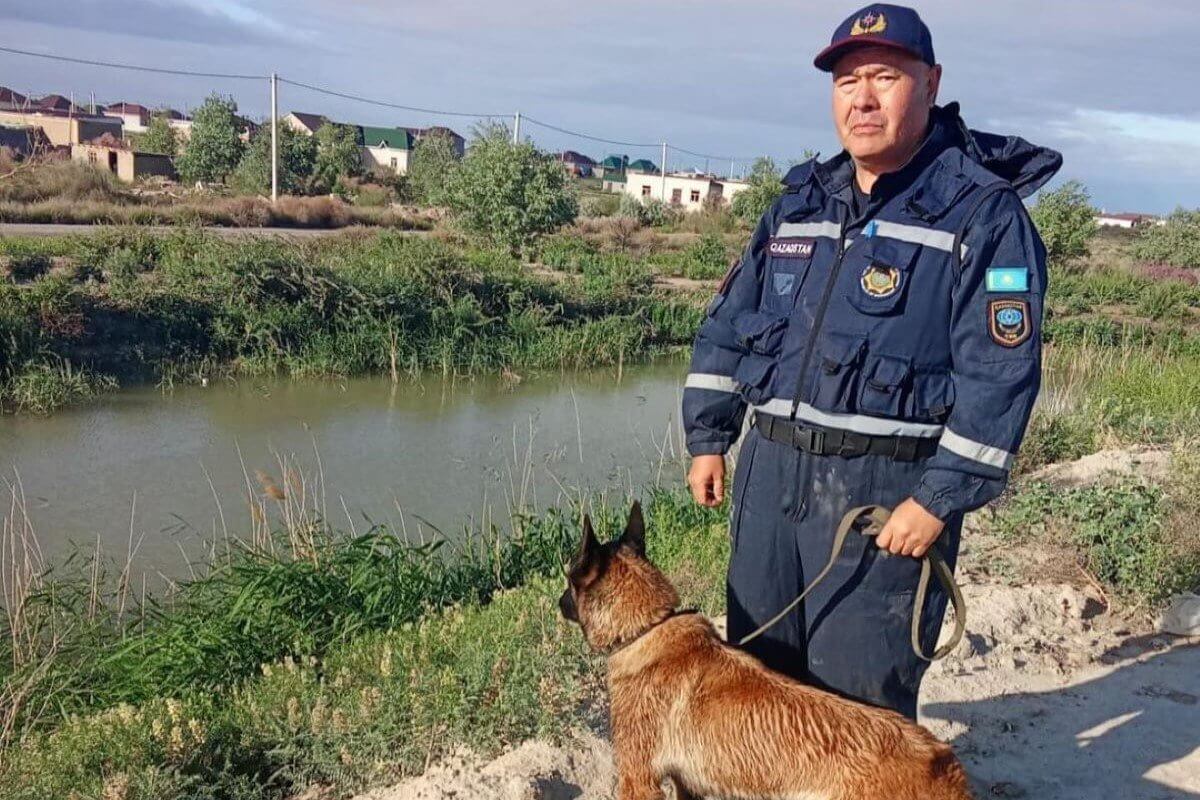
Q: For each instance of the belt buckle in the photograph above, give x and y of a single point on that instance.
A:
(816, 440)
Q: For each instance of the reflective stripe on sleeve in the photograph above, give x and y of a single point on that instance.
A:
(703, 380)
(858, 423)
(829, 229)
(976, 451)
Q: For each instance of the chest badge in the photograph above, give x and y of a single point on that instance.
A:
(880, 280)
(1008, 322)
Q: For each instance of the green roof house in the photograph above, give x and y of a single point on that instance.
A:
(643, 165)
(385, 148)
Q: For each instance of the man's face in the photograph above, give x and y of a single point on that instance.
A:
(881, 102)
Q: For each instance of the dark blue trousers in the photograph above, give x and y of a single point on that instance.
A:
(852, 634)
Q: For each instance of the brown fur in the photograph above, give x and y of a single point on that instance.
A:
(713, 719)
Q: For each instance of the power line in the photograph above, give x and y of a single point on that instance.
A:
(361, 99)
(134, 67)
(385, 104)
(592, 138)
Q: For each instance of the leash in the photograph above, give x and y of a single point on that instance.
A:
(931, 563)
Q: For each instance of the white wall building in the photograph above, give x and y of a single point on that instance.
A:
(689, 191)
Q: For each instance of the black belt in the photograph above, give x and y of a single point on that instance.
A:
(837, 442)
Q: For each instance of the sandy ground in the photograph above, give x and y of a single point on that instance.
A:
(1049, 696)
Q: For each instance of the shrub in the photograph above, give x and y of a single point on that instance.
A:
(765, 188)
(297, 158)
(706, 259)
(511, 193)
(600, 205)
(434, 160)
(62, 181)
(1066, 221)
(1176, 243)
(159, 137)
(337, 156)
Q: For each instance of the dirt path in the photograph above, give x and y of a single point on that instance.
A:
(1049, 696)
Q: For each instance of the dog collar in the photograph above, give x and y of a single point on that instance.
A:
(619, 646)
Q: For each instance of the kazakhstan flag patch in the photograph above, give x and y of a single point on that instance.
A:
(1008, 279)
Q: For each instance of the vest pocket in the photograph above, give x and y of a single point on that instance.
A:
(885, 385)
(781, 284)
(884, 272)
(933, 396)
(758, 332)
(754, 375)
(836, 372)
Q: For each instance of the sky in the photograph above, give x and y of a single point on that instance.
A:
(1110, 84)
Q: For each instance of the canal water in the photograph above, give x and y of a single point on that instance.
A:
(429, 457)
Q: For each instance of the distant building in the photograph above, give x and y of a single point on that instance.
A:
(63, 126)
(577, 164)
(12, 101)
(112, 154)
(305, 123)
(1105, 220)
(689, 191)
(134, 117)
(385, 148)
(457, 142)
(23, 141)
(642, 165)
(613, 182)
(612, 165)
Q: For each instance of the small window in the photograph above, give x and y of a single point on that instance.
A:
(677, 196)
(395, 163)
(695, 195)
(645, 190)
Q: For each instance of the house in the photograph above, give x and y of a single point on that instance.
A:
(612, 165)
(110, 153)
(689, 191)
(178, 122)
(385, 148)
(63, 123)
(643, 166)
(577, 164)
(23, 141)
(303, 122)
(134, 117)
(12, 101)
(1105, 220)
(459, 143)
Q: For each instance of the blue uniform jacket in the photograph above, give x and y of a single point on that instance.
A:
(919, 318)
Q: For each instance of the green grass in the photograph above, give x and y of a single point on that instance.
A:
(360, 697)
(133, 305)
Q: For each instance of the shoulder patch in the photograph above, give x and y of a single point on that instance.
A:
(1008, 279)
(1008, 321)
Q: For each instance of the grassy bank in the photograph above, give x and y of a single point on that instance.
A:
(79, 314)
(335, 665)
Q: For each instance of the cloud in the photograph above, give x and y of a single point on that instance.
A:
(223, 22)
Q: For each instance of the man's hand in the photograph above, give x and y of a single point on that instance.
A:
(910, 530)
(707, 479)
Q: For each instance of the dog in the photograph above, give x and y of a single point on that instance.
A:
(687, 707)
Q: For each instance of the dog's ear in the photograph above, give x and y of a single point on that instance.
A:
(635, 530)
(588, 544)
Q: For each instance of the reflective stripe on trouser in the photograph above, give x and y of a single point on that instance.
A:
(852, 635)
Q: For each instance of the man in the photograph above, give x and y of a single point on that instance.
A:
(883, 327)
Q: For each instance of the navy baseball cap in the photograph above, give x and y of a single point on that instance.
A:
(883, 25)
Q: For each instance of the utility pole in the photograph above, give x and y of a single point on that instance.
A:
(731, 169)
(517, 129)
(274, 137)
(664, 172)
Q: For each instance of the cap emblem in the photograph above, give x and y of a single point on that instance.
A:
(870, 22)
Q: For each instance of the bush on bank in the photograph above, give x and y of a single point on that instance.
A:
(132, 304)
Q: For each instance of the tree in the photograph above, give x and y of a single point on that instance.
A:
(337, 156)
(510, 192)
(159, 137)
(1066, 221)
(434, 161)
(297, 158)
(765, 188)
(214, 149)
